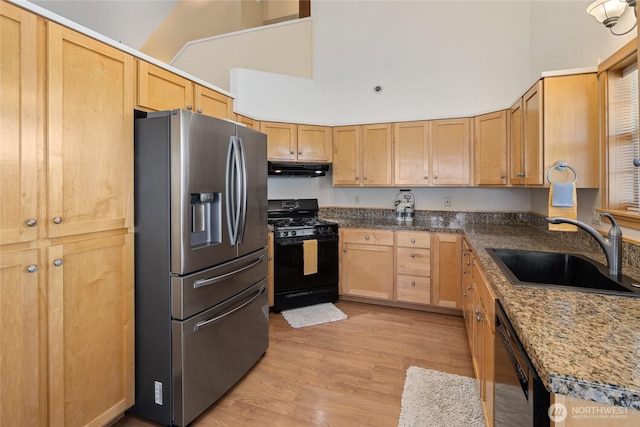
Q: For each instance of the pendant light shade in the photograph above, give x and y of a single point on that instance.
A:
(607, 11)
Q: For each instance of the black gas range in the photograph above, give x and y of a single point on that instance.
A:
(305, 254)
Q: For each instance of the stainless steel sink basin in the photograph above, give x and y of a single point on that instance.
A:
(562, 271)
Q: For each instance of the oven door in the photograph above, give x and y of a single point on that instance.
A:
(289, 264)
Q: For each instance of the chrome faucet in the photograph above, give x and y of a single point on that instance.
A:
(611, 245)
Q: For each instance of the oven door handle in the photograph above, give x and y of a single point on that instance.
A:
(295, 241)
(208, 322)
(211, 280)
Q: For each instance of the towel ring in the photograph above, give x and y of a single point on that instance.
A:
(562, 166)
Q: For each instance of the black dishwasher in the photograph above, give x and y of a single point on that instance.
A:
(520, 396)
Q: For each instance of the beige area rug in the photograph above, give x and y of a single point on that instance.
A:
(313, 315)
(432, 399)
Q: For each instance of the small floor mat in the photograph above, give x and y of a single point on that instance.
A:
(313, 315)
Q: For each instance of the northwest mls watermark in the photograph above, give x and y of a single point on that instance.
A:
(558, 412)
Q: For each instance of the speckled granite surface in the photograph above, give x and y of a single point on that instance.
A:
(583, 345)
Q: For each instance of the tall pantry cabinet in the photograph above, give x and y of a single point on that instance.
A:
(66, 225)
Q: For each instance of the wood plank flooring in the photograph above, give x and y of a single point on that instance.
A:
(346, 373)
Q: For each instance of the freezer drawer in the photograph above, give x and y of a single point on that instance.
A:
(213, 350)
(194, 293)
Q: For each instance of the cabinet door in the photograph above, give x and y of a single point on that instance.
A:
(212, 103)
(467, 291)
(90, 137)
(446, 270)
(91, 342)
(488, 368)
(282, 140)
(346, 155)
(159, 89)
(490, 149)
(411, 149)
(415, 289)
(451, 152)
(516, 141)
(376, 155)
(18, 124)
(532, 114)
(20, 403)
(314, 143)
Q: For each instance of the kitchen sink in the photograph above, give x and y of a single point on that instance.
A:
(561, 271)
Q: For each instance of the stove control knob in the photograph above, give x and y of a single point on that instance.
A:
(293, 233)
(285, 233)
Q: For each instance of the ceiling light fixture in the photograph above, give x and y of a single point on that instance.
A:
(609, 12)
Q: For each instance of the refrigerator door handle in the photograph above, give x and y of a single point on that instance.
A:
(208, 322)
(227, 193)
(210, 281)
(243, 189)
(233, 189)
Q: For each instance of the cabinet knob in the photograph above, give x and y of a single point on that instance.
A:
(292, 152)
(413, 255)
(57, 220)
(32, 222)
(199, 110)
(464, 294)
(189, 107)
(364, 177)
(32, 268)
(426, 177)
(435, 177)
(469, 288)
(366, 237)
(476, 311)
(413, 283)
(357, 178)
(57, 262)
(413, 240)
(480, 319)
(501, 176)
(299, 153)
(344, 250)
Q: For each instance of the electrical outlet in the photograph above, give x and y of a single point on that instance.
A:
(356, 199)
(595, 217)
(447, 201)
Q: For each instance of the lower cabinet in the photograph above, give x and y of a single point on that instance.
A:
(417, 267)
(366, 263)
(478, 309)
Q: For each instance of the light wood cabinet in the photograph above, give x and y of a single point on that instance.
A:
(557, 119)
(366, 263)
(246, 121)
(22, 366)
(363, 155)
(18, 126)
(346, 155)
(451, 152)
(413, 267)
(66, 300)
(412, 154)
(446, 270)
(90, 321)
(212, 103)
(90, 138)
(282, 140)
(490, 149)
(467, 261)
(159, 89)
(314, 143)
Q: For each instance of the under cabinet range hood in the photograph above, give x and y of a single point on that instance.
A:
(298, 169)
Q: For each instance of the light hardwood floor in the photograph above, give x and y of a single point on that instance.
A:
(346, 373)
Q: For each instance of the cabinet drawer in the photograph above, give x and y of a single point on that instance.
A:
(367, 237)
(413, 239)
(412, 261)
(413, 289)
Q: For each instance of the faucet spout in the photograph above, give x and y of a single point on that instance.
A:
(611, 245)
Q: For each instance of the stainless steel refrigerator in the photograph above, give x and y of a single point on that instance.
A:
(201, 261)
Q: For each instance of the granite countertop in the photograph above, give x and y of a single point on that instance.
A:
(583, 345)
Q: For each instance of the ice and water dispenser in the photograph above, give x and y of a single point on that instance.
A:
(206, 219)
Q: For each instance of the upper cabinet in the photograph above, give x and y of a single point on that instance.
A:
(363, 155)
(160, 89)
(556, 120)
(19, 215)
(490, 148)
(451, 152)
(297, 143)
(411, 149)
(90, 135)
(246, 121)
